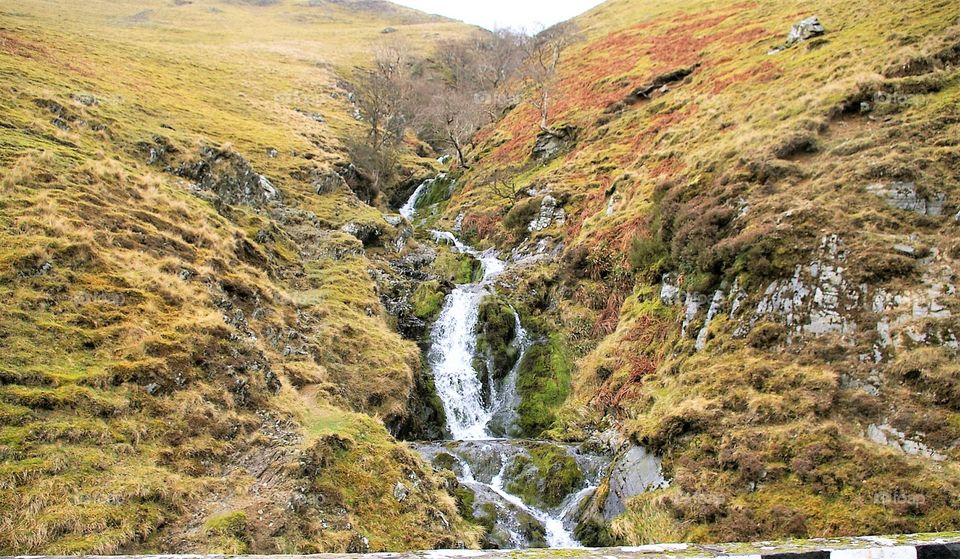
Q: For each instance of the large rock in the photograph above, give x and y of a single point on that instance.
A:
(230, 176)
(805, 30)
(904, 195)
(551, 144)
(635, 472)
(549, 214)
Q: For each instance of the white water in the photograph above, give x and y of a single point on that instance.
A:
(410, 207)
(557, 534)
(453, 347)
(451, 355)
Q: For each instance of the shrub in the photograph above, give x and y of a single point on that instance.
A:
(522, 213)
(649, 257)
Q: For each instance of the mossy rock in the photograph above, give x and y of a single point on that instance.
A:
(497, 328)
(544, 384)
(544, 477)
(427, 300)
(457, 268)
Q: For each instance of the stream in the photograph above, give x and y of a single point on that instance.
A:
(493, 466)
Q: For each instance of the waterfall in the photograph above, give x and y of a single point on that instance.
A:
(453, 349)
(451, 359)
(472, 422)
(409, 209)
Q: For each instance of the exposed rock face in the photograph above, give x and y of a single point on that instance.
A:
(805, 30)
(904, 195)
(887, 435)
(368, 234)
(820, 298)
(548, 215)
(230, 177)
(549, 145)
(636, 471)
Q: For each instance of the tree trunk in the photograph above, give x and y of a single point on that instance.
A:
(459, 148)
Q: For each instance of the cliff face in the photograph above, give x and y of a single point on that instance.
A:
(191, 341)
(748, 239)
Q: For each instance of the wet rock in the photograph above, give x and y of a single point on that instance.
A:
(904, 195)
(635, 472)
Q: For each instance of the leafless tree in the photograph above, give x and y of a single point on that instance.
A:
(472, 88)
(381, 94)
(503, 184)
(543, 58)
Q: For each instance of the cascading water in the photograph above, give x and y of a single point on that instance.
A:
(410, 207)
(483, 460)
(453, 347)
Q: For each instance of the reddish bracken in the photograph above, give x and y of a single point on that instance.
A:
(761, 73)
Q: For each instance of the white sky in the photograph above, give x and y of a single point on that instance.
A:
(518, 14)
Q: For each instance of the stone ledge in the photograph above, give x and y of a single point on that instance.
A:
(916, 546)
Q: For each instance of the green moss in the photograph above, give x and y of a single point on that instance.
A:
(466, 500)
(427, 300)
(456, 267)
(232, 524)
(545, 477)
(228, 532)
(544, 384)
(496, 327)
(439, 191)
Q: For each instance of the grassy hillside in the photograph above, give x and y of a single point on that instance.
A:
(758, 272)
(192, 347)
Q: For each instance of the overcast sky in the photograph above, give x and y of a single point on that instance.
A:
(518, 14)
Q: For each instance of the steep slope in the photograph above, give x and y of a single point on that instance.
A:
(751, 253)
(192, 345)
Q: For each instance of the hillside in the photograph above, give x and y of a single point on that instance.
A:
(750, 256)
(711, 297)
(192, 346)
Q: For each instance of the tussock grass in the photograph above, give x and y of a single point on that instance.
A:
(154, 339)
(732, 177)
